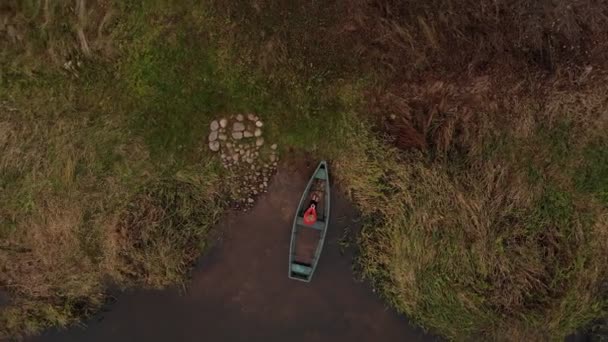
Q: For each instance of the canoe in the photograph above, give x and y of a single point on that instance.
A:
(307, 240)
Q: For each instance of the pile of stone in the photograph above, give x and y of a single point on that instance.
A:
(240, 143)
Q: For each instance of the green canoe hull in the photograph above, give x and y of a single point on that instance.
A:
(307, 240)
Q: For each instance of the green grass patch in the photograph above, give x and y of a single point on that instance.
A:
(554, 208)
(173, 111)
(592, 174)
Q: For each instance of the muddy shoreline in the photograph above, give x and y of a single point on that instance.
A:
(239, 291)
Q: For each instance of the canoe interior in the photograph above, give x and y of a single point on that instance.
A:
(307, 240)
(318, 187)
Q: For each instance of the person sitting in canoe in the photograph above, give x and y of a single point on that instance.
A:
(310, 215)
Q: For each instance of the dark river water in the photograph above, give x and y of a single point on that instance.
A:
(239, 291)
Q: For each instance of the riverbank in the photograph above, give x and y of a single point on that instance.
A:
(240, 290)
(471, 138)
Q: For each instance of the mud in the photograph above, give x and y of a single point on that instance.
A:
(240, 290)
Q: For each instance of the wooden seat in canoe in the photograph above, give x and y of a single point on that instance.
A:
(301, 269)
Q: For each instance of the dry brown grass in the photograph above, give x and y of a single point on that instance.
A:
(68, 165)
(409, 36)
(439, 115)
(482, 228)
(487, 233)
(164, 229)
(43, 260)
(52, 252)
(470, 246)
(34, 33)
(64, 227)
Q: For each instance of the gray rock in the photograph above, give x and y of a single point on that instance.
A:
(273, 157)
(261, 186)
(223, 122)
(237, 135)
(213, 136)
(240, 117)
(265, 184)
(214, 125)
(258, 132)
(223, 137)
(259, 142)
(265, 179)
(229, 145)
(235, 157)
(250, 200)
(214, 146)
(250, 161)
(247, 134)
(238, 127)
(259, 123)
(255, 192)
(252, 117)
(273, 146)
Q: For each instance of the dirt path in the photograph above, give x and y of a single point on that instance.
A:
(240, 292)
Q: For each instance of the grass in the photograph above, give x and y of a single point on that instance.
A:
(104, 161)
(484, 252)
(481, 181)
(488, 231)
(591, 176)
(164, 229)
(487, 248)
(77, 168)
